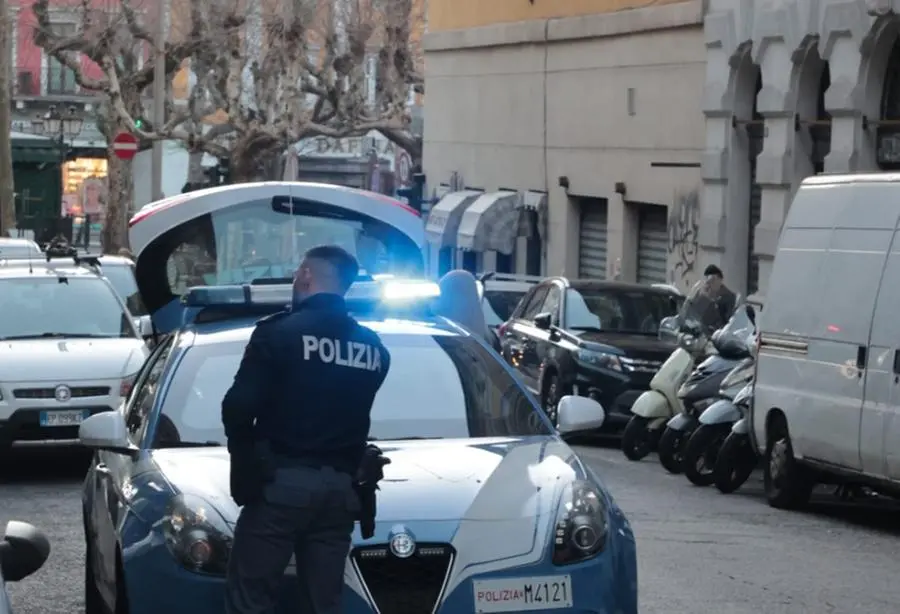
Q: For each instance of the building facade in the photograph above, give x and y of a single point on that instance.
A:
(792, 88)
(579, 122)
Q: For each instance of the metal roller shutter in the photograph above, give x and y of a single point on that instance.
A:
(592, 239)
(653, 244)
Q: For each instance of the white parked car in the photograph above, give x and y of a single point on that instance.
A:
(69, 348)
(14, 249)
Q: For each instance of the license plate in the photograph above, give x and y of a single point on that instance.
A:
(70, 417)
(523, 594)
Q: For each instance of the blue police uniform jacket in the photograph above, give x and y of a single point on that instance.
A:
(306, 385)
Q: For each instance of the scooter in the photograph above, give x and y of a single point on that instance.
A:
(737, 458)
(656, 406)
(732, 344)
(716, 421)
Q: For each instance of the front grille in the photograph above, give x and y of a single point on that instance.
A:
(79, 392)
(404, 586)
(641, 365)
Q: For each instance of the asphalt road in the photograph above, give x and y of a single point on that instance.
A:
(699, 551)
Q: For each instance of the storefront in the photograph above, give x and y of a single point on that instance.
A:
(538, 101)
(36, 179)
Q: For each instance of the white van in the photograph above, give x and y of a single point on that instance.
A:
(827, 402)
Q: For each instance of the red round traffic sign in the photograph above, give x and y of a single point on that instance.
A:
(125, 145)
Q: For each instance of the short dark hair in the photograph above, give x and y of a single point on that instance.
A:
(344, 264)
(713, 270)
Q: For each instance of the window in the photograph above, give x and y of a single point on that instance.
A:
(61, 79)
(535, 303)
(552, 303)
(438, 386)
(263, 239)
(58, 306)
(500, 305)
(623, 311)
(121, 277)
(144, 394)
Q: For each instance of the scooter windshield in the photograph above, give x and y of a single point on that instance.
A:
(699, 314)
(736, 337)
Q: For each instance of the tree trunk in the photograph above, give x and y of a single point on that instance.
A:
(119, 202)
(7, 190)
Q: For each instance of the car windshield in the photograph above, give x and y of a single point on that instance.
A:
(438, 386)
(60, 307)
(121, 277)
(499, 305)
(617, 310)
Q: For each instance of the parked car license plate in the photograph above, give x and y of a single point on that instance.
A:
(69, 417)
(523, 594)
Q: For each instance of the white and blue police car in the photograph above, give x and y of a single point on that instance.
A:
(484, 508)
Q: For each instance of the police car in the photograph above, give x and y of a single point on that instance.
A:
(484, 508)
(68, 349)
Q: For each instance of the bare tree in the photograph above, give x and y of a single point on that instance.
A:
(7, 193)
(280, 72)
(116, 39)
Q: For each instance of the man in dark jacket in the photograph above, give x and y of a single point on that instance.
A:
(724, 298)
(297, 422)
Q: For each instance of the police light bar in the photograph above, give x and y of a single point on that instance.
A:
(389, 291)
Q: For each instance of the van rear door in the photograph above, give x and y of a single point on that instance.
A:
(817, 321)
(879, 436)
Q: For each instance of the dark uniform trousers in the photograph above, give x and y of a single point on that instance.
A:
(305, 512)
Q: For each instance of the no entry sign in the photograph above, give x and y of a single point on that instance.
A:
(125, 145)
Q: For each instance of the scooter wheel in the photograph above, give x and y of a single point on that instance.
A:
(701, 451)
(636, 438)
(735, 463)
(670, 450)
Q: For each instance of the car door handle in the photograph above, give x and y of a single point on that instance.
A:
(861, 355)
(102, 469)
(896, 368)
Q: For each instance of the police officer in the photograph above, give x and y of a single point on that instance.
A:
(297, 422)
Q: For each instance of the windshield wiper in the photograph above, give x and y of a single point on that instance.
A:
(402, 438)
(55, 335)
(189, 444)
(589, 329)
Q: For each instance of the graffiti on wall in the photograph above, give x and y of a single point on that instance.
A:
(684, 224)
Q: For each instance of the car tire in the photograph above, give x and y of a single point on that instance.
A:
(788, 484)
(637, 439)
(705, 442)
(735, 464)
(670, 450)
(93, 601)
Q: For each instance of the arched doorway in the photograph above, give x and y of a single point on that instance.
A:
(889, 130)
(820, 130)
(756, 133)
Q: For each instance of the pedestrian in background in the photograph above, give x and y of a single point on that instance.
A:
(297, 420)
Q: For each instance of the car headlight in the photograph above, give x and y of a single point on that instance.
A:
(602, 360)
(582, 523)
(197, 535)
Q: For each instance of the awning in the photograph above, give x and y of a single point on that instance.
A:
(34, 149)
(491, 223)
(444, 218)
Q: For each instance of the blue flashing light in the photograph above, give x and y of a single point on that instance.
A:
(386, 291)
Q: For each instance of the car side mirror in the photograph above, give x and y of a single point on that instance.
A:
(106, 431)
(23, 551)
(579, 414)
(145, 326)
(543, 321)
